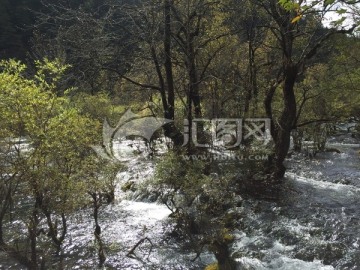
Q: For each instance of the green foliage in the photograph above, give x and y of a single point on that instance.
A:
(213, 266)
(49, 72)
(174, 172)
(342, 8)
(58, 168)
(98, 106)
(59, 136)
(200, 203)
(332, 84)
(289, 5)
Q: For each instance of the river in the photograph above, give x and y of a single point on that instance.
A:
(314, 224)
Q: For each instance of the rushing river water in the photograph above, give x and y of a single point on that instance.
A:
(314, 225)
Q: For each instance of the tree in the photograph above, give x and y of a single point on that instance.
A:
(298, 35)
(181, 41)
(55, 167)
(150, 19)
(162, 47)
(88, 35)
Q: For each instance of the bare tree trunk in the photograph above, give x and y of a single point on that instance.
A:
(96, 205)
(32, 229)
(58, 240)
(169, 110)
(2, 215)
(222, 254)
(281, 130)
(169, 113)
(194, 98)
(12, 252)
(251, 84)
(8, 191)
(1, 233)
(194, 90)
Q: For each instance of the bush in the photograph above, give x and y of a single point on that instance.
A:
(98, 107)
(199, 203)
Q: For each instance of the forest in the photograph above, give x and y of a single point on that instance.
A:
(168, 134)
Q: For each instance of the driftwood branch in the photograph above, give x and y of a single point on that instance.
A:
(132, 254)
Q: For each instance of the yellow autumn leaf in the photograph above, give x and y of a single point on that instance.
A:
(296, 19)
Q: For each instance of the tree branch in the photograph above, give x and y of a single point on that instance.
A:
(313, 121)
(132, 254)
